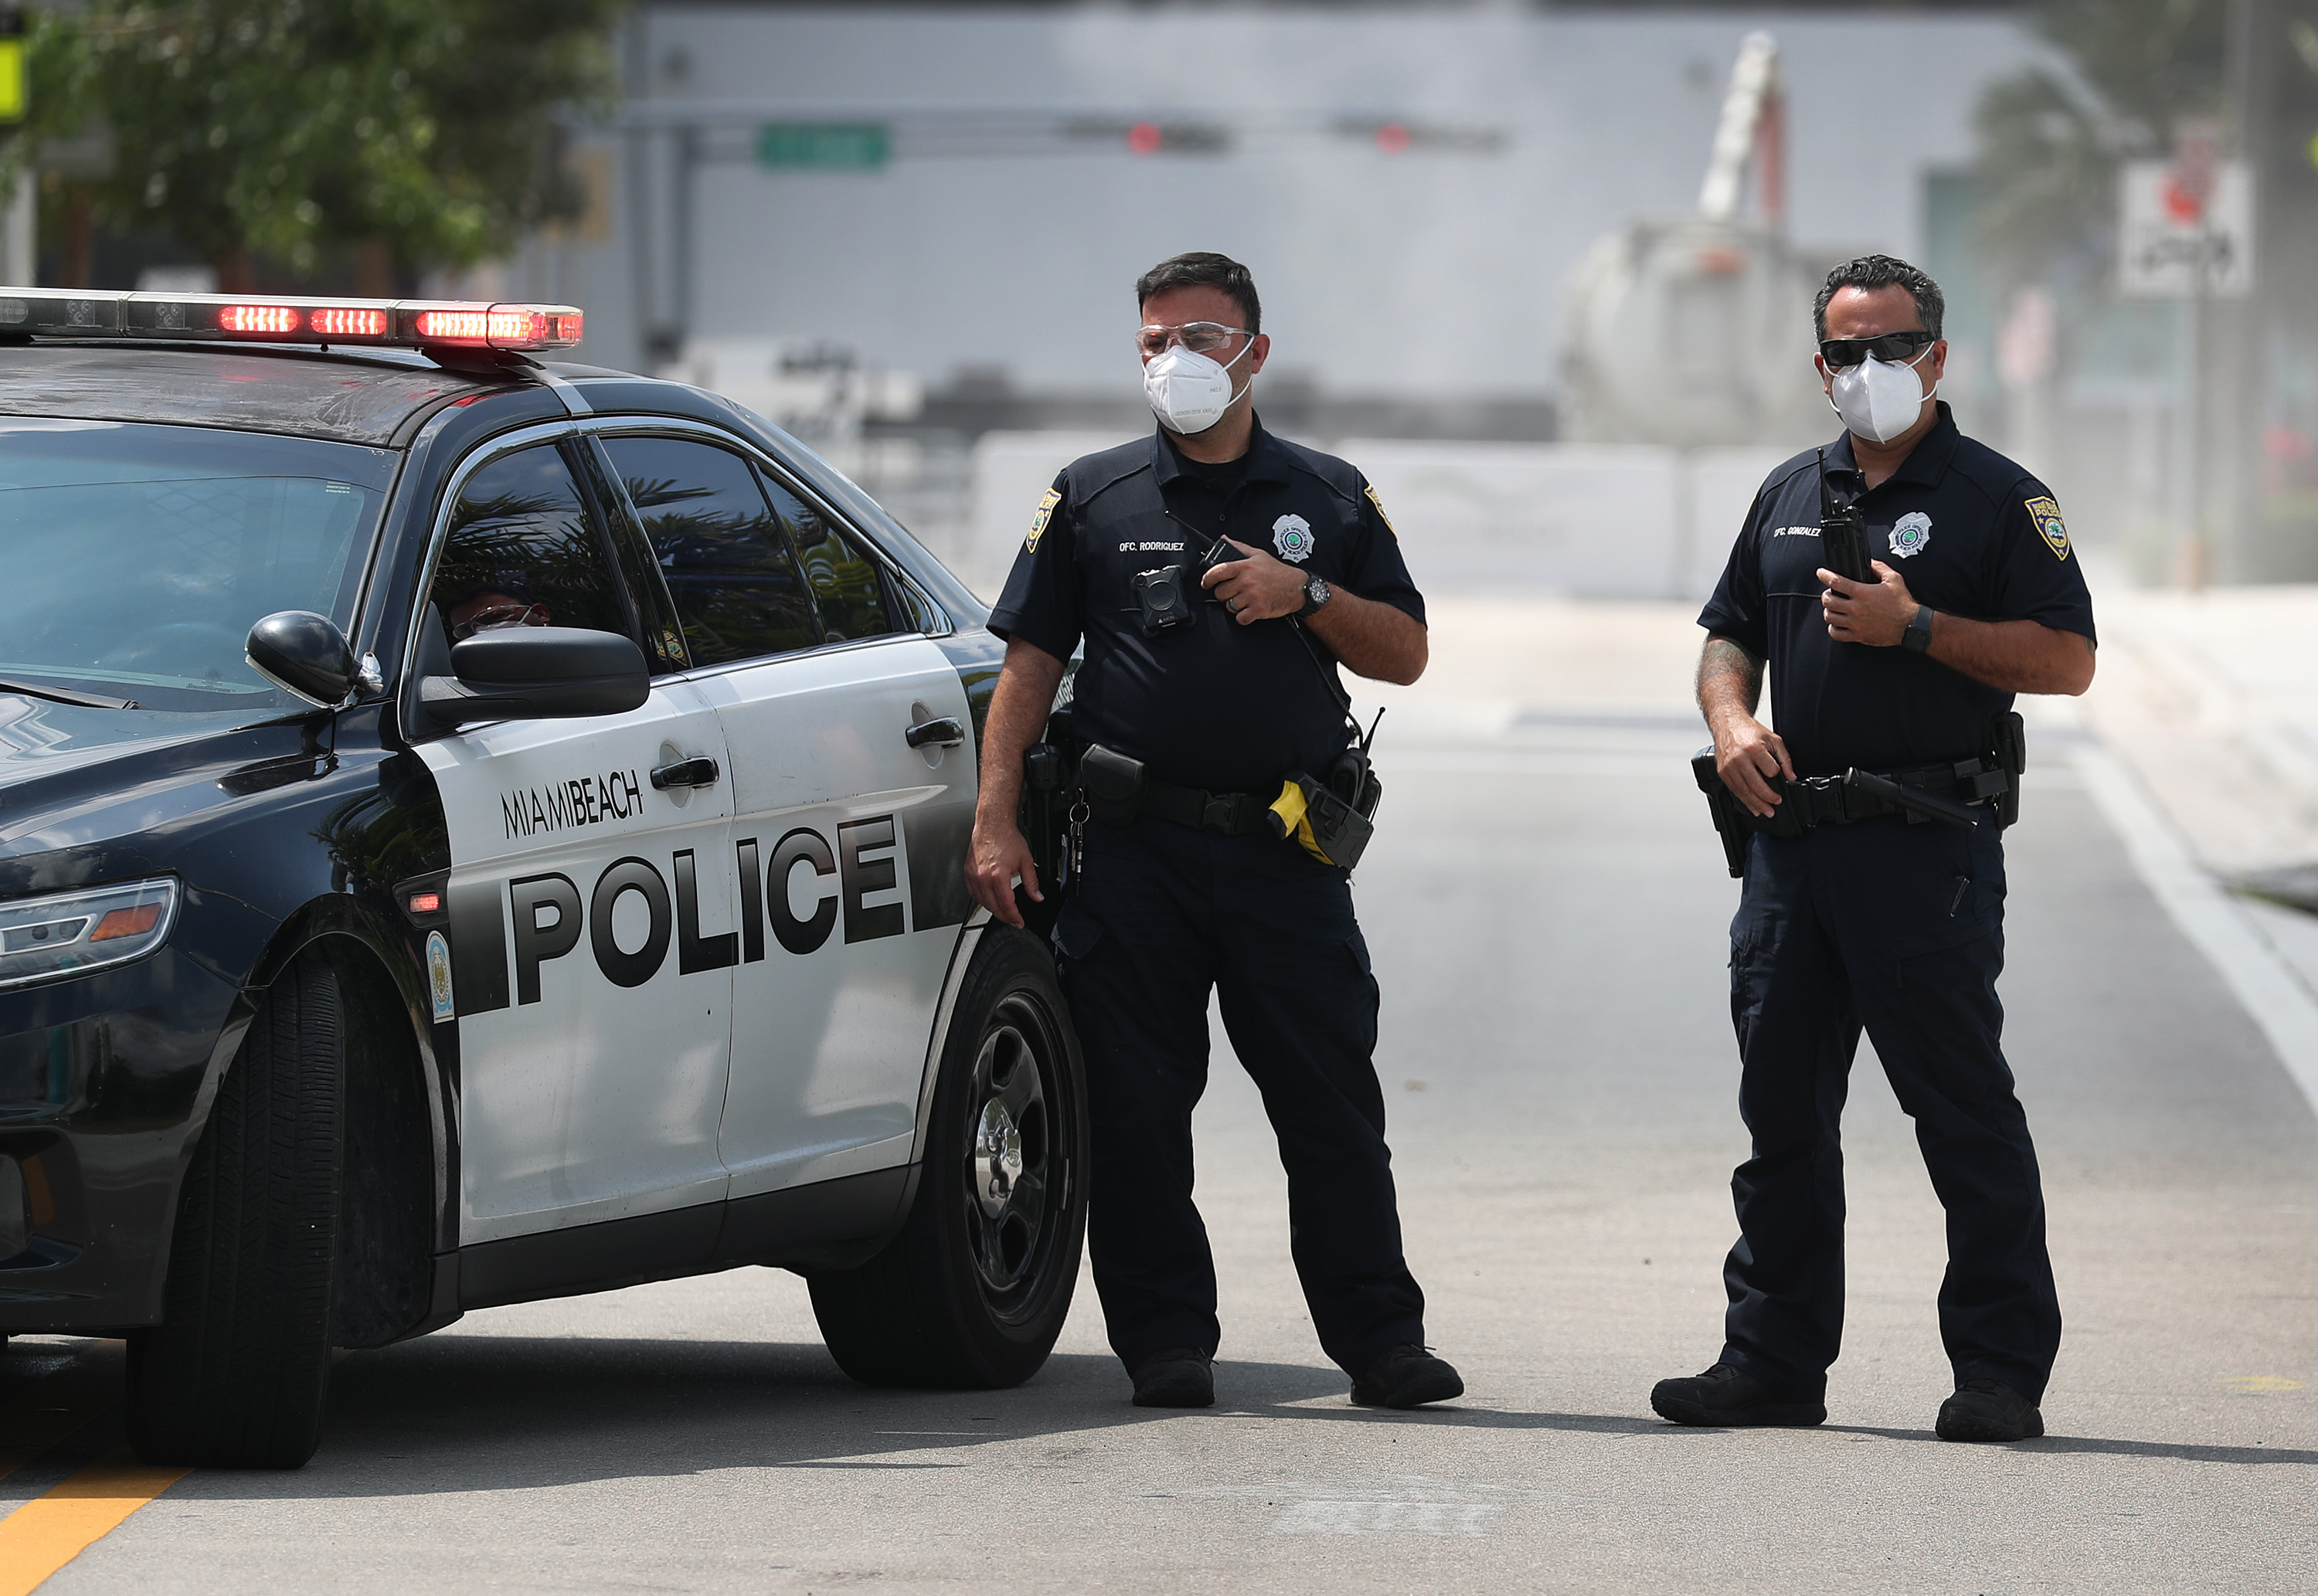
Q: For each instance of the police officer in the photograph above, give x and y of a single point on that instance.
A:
(1854, 914)
(1219, 684)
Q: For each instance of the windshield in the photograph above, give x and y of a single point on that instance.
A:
(137, 557)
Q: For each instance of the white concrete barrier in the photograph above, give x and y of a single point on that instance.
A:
(1722, 484)
(1011, 472)
(1582, 520)
(1586, 520)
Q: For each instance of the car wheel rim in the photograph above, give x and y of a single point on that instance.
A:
(1015, 1183)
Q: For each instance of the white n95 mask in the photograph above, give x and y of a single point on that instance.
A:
(1880, 399)
(1189, 391)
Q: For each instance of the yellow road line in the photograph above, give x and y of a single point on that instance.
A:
(49, 1531)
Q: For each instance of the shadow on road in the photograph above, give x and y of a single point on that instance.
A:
(464, 1413)
(2115, 1449)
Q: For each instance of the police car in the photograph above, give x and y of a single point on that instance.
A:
(474, 830)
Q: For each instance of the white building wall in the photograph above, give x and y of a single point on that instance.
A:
(1422, 274)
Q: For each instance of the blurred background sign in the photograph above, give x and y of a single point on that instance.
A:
(2183, 230)
(827, 147)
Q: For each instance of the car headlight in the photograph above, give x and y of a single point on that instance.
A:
(73, 933)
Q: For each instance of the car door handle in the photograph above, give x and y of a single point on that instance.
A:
(685, 773)
(946, 732)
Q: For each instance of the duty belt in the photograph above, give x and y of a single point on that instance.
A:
(1960, 793)
(1952, 793)
(1234, 814)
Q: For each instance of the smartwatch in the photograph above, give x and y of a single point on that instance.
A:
(1317, 595)
(1918, 638)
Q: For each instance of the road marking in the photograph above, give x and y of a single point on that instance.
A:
(2262, 1383)
(1389, 1518)
(2264, 983)
(50, 1530)
(1385, 1505)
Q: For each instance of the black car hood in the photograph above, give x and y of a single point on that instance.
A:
(70, 775)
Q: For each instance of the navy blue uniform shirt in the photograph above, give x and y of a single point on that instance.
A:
(1213, 704)
(1972, 534)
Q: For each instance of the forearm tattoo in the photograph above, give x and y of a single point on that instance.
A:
(1721, 658)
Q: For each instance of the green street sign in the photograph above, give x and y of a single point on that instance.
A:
(824, 146)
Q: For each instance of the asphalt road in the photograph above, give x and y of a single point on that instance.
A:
(1547, 911)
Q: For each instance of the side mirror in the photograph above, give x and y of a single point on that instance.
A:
(303, 654)
(536, 673)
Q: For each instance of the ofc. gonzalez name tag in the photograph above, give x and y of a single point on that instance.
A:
(2055, 530)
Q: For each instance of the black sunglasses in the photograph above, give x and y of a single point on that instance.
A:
(1888, 346)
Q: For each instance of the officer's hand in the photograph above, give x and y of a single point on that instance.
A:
(1747, 755)
(998, 854)
(1256, 588)
(1872, 612)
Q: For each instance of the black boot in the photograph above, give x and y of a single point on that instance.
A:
(1178, 1377)
(1728, 1395)
(1407, 1377)
(1989, 1411)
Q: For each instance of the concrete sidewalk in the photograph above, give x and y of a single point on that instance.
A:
(2210, 699)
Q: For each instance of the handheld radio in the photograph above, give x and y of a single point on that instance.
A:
(1842, 531)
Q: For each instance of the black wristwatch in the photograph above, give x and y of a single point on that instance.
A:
(1317, 595)
(1918, 635)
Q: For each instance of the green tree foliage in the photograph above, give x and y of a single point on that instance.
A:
(2051, 139)
(288, 129)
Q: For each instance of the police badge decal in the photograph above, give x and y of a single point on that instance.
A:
(1292, 536)
(1910, 534)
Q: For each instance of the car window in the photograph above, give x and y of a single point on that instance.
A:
(847, 586)
(728, 566)
(136, 557)
(524, 551)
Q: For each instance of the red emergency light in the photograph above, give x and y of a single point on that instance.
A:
(407, 324)
(348, 321)
(259, 321)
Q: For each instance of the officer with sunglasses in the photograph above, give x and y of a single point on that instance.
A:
(1217, 576)
(1864, 912)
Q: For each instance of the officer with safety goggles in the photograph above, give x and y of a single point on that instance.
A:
(1218, 793)
(1869, 829)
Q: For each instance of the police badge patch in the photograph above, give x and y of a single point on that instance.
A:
(1292, 536)
(2055, 530)
(1038, 522)
(1377, 505)
(1911, 534)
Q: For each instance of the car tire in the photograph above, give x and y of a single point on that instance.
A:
(974, 1289)
(236, 1374)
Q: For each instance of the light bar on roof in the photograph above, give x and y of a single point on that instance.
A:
(409, 324)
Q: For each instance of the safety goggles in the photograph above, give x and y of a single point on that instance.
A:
(491, 618)
(1200, 338)
(1885, 346)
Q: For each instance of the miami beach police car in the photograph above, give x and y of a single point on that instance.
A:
(474, 830)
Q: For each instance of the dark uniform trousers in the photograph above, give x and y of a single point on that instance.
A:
(1161, 915)
(1899, 929)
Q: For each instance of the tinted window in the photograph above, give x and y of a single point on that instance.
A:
(845, 582)
(523, 550)
(726, 563)
(136, 557)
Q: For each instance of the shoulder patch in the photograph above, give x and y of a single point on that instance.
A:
(1038, 522)
(2047, 514)
(1377, 505)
